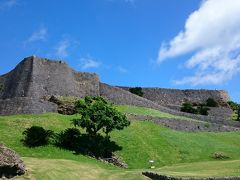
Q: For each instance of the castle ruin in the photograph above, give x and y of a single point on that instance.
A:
(26, 89)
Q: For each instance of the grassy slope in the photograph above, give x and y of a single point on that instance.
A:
(141, 142)
(148, 112)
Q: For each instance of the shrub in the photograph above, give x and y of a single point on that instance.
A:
(219, 155)
(37, 136)
(188, 107)
(211, 102)
(68, 139)
(234, 106)
(203, 110)
(136, 90)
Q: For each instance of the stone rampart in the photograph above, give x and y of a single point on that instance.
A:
(121, 96)
(24, 105)
(23, 88)
(36, 77)
(165, 96)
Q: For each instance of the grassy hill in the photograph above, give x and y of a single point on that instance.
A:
(174, 153)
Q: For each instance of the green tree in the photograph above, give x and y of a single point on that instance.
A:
(136, 90)
(97, 114)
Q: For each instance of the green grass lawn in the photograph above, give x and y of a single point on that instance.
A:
(141, 142)
(149, 112)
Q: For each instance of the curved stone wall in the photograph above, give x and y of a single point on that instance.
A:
(177, 97)
(121, 96)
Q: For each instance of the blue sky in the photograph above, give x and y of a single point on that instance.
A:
(150, 43)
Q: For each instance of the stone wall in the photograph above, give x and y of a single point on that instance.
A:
(121, 96)
(16, 82)
(56, 78)
(36, 77)
(186, 125)
(177, 97)
(22, 89)
(24, 105)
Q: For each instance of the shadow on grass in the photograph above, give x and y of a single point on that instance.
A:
(95, 146)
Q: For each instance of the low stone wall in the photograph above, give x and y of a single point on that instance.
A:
(156, 176)
(26, 106)
(185, 125)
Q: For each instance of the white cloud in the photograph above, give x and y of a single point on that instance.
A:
(122, 70)
(38, 35)
(8, 4)
(212, 33)
(88, 63)
(61, 50)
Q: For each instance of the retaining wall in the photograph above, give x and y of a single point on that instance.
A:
(165, 96)
(23, 105)
(22, 89)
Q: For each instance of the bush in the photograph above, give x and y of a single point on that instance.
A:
(234, 106)
(37, 136)
(68, 139)
(136, 90)
(188, 107)
(219, 155)
(211, 102)
(203, 110)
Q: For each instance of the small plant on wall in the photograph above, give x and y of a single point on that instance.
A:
(136, 90)
(211, 102)
(1, 87)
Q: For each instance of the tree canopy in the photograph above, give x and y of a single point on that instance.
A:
(97, 114)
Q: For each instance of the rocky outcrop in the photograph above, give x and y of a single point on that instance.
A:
(10, 163)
